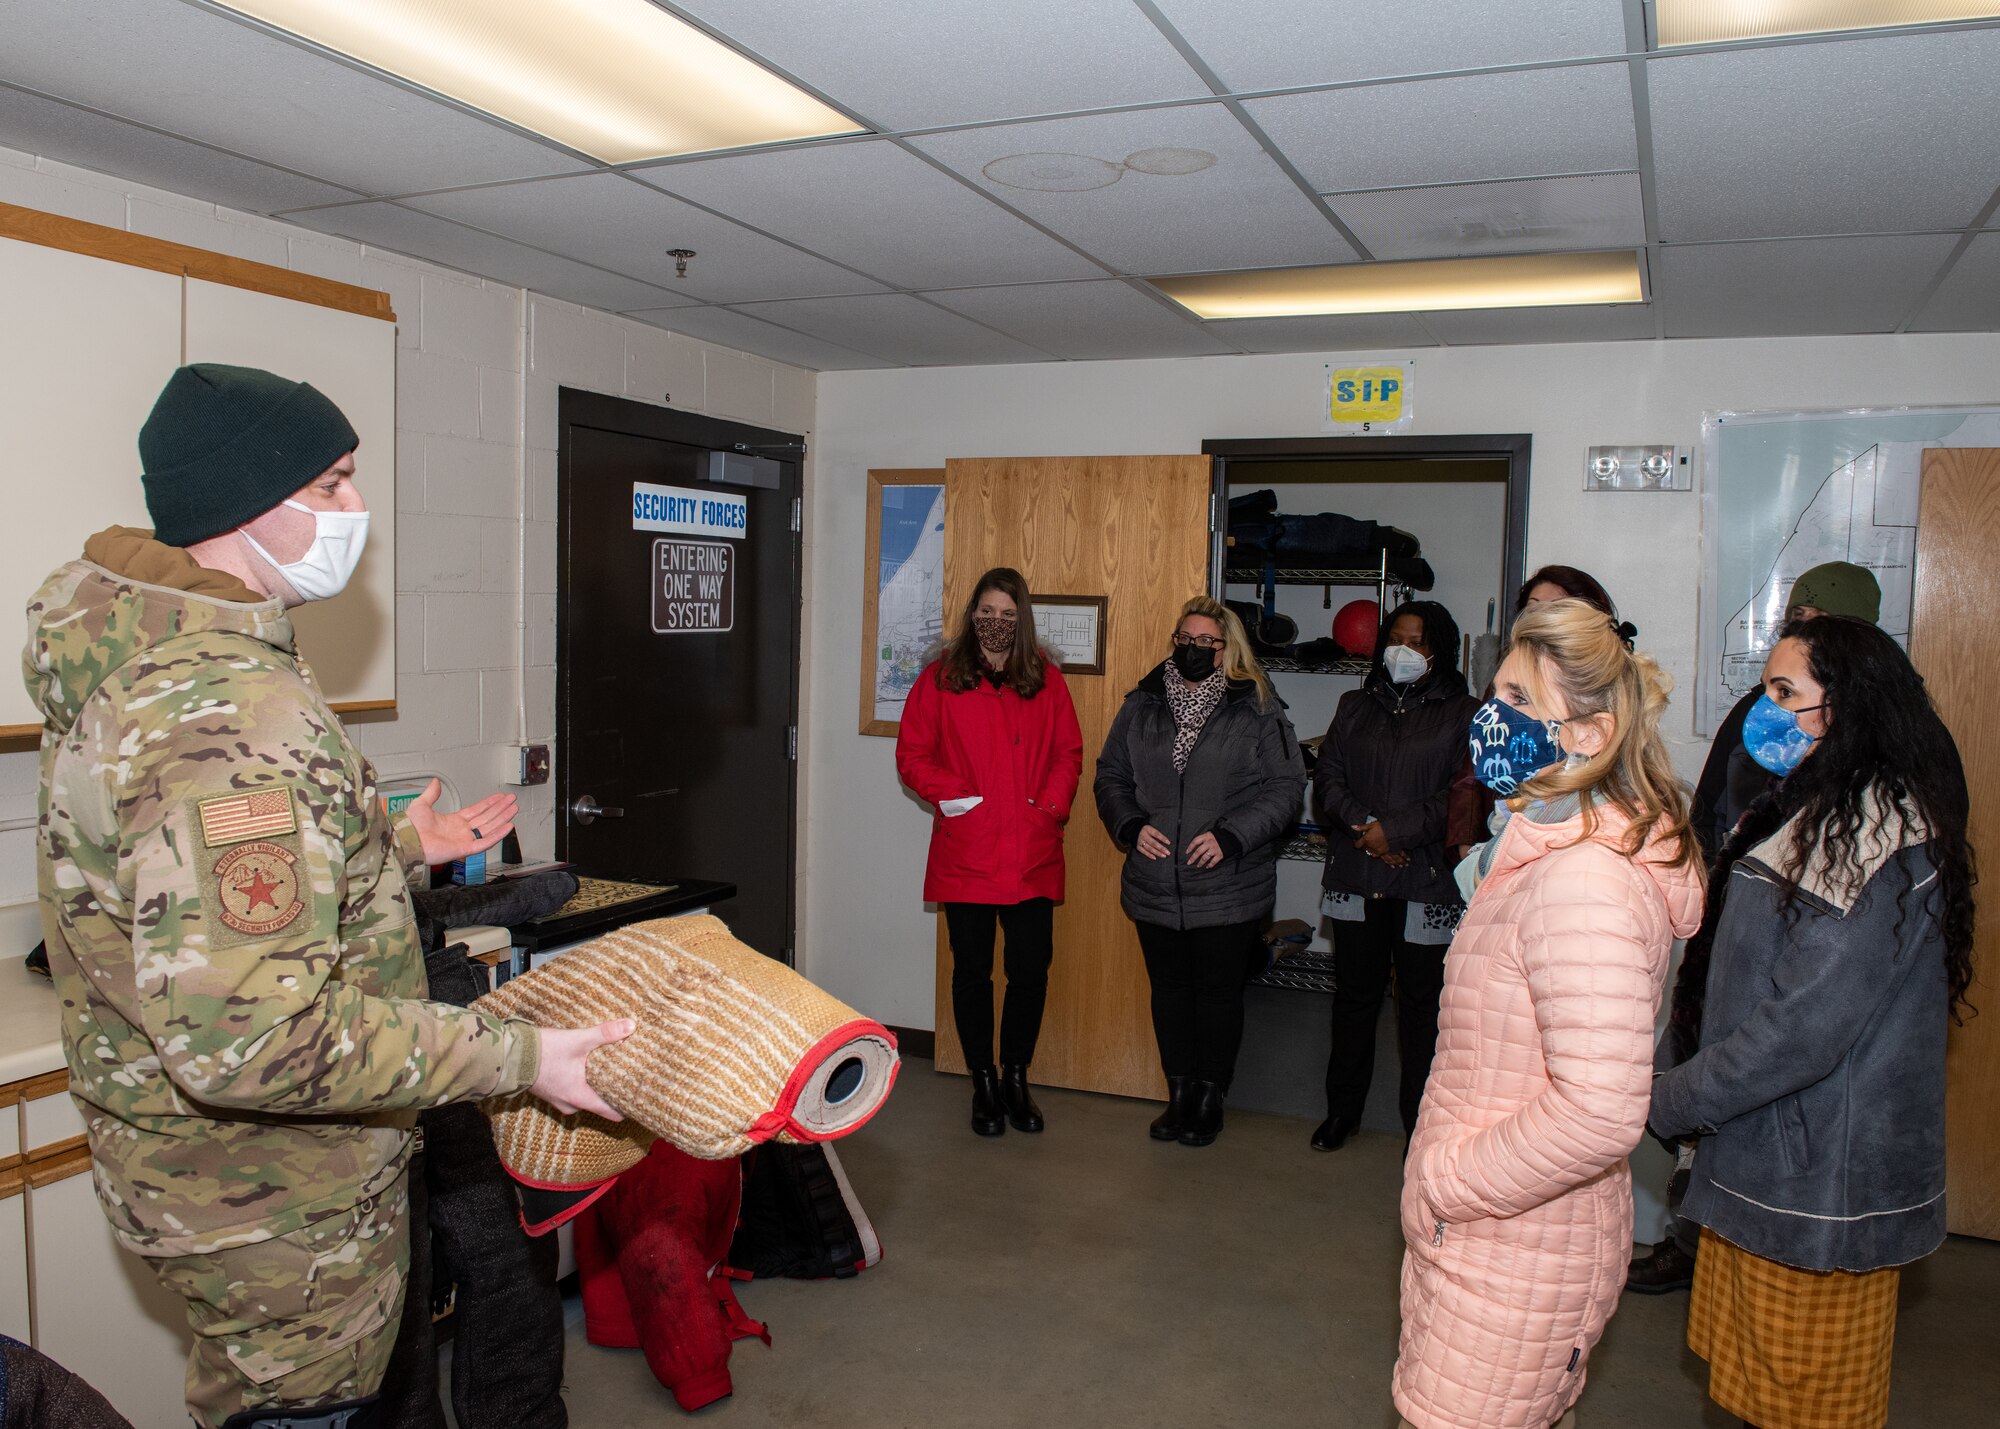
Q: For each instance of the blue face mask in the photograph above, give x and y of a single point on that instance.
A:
(1509, 748)
(1772, 735)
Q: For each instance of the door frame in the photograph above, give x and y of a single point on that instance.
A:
(575, 408)
(1512, 447)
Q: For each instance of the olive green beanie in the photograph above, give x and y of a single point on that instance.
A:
(225, 444)
(1838, 588)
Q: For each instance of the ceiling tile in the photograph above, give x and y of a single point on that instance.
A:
(1477, 326)
(900, 328)
(1849, 136)
(1794, 287)
(1086, 320)
(193, 72)
(1268, 44)
(1365, 331)
(422, 236)
(90, 141)
(621, 224)
(1240, 212)
(1969, 298)
(878, 207)
(903, 65)
(732, 329)
(1511, 216)
(1575, 120)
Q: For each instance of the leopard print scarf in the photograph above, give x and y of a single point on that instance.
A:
(1191, 704)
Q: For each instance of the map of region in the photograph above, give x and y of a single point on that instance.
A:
(1790, 492)
(909, 585)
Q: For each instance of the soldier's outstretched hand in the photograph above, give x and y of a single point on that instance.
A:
(560, 1080)
(455, 834)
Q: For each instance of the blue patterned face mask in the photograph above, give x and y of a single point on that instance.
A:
(1510, 748)
(1772, 735)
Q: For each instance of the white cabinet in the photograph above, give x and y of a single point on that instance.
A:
(98, 1311)
(13, 1258)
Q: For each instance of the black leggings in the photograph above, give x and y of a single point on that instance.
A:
(1030, 946)
(1198, 975)
(1363, 955)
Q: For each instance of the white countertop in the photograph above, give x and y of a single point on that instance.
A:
(30, 1024)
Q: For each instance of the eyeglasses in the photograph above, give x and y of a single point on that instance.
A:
(1206, 642)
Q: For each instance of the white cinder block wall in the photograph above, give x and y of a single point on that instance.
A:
(478, 368)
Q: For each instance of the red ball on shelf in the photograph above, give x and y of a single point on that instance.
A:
(1354, 627)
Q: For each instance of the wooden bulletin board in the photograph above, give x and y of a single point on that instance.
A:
(96, 320)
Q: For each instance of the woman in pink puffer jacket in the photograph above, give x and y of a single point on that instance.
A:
(1517, 1200)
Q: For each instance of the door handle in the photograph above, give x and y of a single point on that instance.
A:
(585, 810)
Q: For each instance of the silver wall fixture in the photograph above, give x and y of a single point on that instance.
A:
(1638, 469)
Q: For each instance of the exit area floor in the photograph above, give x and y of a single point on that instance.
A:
(1089, 1276)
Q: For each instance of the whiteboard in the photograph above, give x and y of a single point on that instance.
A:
(86, 344)
(85, 347)
(350, 641)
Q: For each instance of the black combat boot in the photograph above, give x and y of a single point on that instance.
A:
(1662, 1270)
(1204, 1116)
(1021, 1108)
(989, 1113)
(1167, 1125)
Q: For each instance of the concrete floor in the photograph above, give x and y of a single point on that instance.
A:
(1090, 1276)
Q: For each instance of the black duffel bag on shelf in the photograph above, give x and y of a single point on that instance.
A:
(1271, 633)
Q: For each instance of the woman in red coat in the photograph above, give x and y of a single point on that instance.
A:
(989, 738)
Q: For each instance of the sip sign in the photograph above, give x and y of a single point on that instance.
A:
(1369, 401)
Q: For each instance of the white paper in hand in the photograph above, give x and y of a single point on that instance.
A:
(952, 808)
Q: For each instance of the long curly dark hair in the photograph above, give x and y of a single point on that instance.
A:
(1884, 744)
(961, 667)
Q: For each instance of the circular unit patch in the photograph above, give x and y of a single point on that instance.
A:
(258, 886)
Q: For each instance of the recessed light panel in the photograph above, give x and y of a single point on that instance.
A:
(1522, 281)
(621, 80)
(1701, 22)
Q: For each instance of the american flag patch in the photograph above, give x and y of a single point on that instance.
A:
(231, 818)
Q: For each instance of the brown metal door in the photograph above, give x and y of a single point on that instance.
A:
(1954, 630)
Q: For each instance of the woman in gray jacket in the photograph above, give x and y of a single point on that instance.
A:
(1199, 781)
(1807, 1046)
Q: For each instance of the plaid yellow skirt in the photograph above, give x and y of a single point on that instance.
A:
(1793, 1349)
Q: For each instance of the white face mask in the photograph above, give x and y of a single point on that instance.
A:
(324, 570)
(1404, 664)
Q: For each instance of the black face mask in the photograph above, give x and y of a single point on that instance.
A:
(1194, 663)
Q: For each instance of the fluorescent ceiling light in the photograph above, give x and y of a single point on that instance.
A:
(1700, 22)
(621, 80)
(1536, 280)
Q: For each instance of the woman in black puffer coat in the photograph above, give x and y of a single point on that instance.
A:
(1382, 791)
(1199, 781)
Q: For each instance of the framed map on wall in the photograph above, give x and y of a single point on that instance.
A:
(902, 595)
(1783, 492)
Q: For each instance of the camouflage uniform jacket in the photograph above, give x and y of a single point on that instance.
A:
(226, 914)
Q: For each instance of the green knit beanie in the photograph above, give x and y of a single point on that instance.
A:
(225, 444)
(1838, 588)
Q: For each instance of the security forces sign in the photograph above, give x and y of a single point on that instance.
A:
(1369, 401)
(689, 513)
(694, 587)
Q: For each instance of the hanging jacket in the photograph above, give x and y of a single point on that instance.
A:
(1517, 1199)
(1242, 784)
(1391, 754)
(1820, 1080)
(1022, 757)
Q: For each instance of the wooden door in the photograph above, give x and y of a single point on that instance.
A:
(1136, 530)
(1954, 628)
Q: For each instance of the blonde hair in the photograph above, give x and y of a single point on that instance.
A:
(1239, 662)
(1578, 659)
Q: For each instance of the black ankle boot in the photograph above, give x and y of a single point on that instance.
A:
(989, 1115)
(1167, 1125)
(1204, 1114)
(1332, 1133)
(1019, 1101)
